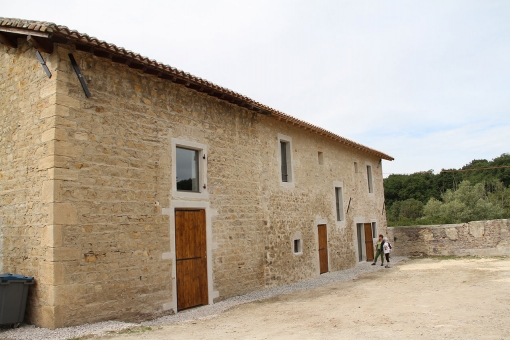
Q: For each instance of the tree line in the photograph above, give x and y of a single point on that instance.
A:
(451, 196)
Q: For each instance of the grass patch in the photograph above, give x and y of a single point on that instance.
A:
(450, 257)
(133, 330)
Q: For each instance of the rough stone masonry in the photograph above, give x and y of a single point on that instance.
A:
(478, 238)
(87, 188)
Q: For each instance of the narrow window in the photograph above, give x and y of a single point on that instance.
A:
(355, 167)
(374, 230)
(285, 160)
(297, 246)
(284, 150)
(187, 169)
(321, 158)
(339, 204)
(369, 177)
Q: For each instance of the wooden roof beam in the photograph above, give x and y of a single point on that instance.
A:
(135, 65)
(119, 60)
(152, 71)
(102, 54)
(16, 30)
(83, 48)
(9, 40)
(41, 45)
(59, 39)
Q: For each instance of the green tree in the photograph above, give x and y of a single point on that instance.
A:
(405, 212)
(489, 175)
(499, 195)
(468, 203)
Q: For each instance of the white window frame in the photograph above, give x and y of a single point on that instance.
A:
(290, 161)
(340, 185)
(202, 169)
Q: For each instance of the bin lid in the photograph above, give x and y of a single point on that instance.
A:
(15, 277)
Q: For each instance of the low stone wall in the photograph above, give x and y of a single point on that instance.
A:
(487, 238)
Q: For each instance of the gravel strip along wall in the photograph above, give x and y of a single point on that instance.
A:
(101, 328)
(485, 238)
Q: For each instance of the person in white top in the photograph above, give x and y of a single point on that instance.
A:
(387, 250)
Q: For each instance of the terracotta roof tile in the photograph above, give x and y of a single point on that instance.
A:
(84, 39)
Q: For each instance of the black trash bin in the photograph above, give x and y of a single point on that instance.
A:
(13, 297)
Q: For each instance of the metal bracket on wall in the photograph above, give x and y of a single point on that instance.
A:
(43, 63)
(80, 76)
(349, 205)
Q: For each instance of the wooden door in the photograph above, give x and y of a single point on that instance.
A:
(369, 242)
(323, 248)
(191, 258)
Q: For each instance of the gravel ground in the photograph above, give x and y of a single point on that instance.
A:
(102, 328)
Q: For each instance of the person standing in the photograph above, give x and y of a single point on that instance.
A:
(386, 249)
(379, 251)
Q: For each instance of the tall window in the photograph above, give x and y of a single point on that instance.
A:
(321, 158)
(187, 169)
(374, 230)
(285, 158)
(369, 177)
(339, 204)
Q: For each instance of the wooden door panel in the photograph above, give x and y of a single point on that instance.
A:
(191, 284)
(323, 248)
(191, 258)
(189, 233)
(369, 242)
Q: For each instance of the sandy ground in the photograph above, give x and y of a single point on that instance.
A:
(463, 298)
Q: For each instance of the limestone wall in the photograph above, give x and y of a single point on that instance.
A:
(116, 178)
(98, 235)
(311, 201)
(27, 152)
(490, 238)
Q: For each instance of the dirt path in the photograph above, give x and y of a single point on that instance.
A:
(464, 298)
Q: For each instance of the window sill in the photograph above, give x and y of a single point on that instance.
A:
(287, 184)
(190, 194)
(340, 223)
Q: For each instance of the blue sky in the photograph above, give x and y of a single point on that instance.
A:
(424, 81)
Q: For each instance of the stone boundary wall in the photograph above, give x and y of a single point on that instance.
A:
(489, 238)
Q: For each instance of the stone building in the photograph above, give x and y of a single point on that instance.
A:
(130, 189)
